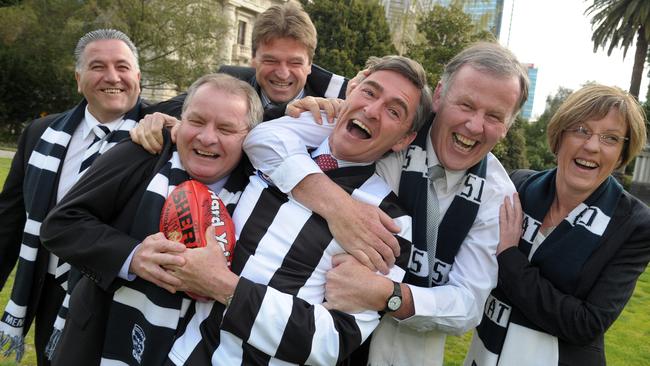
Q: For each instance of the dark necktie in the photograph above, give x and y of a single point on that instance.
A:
(93, 149)
(326, 162)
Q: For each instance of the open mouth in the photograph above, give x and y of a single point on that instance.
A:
(281, 84)
(586, 164)
(112, 91)
(359, 130)
(463, 142)
(206, 154)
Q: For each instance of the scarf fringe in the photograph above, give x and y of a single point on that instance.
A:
(16, 344)
(52, 343)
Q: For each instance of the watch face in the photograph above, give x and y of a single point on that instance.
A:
(394, 303)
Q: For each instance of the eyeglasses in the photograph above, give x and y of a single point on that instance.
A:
(607, 139)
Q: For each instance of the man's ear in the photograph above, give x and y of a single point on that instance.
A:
(437, 96)
(405, 141)
(77, 77)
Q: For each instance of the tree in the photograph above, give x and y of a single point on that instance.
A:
(348, 33)
(617, 22)
(444, 32)
(36, 62)
(511, 151)
(538, 152)
(178, 40)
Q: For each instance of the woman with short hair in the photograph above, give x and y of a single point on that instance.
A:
(566, 277)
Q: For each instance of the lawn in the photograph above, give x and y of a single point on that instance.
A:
(626, 341)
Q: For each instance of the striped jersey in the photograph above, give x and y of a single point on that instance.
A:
(283, 253)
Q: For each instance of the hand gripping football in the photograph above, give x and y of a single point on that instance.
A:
(187, 213)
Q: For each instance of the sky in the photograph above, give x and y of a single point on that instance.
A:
(555, 36)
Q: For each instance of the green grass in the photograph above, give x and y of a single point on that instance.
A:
(30, 355)
(626, 342)
(4, 170)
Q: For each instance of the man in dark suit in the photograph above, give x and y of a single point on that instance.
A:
(117, 243)
(53, 153)
(284, 42)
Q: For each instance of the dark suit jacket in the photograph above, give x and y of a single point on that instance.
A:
(316, 86)
(12, 213)
(606, 283)
(97, 236)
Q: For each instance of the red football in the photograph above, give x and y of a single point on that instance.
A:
(187, 213)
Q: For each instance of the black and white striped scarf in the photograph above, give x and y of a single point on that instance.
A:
(39, 190)
(143, 317)
(454, 226)
(504, 328)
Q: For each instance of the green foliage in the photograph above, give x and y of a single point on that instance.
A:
(36, 73)
(443, 32)
(538, 152)
(348, 33)
(511, 151)
(621, 23)
(178, 41)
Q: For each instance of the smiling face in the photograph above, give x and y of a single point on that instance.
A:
(582, 165)
(109, 79)
(377, 119)
(210, 137)
(281, 68)
(472, 116)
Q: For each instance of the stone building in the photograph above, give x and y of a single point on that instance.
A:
(236, 48)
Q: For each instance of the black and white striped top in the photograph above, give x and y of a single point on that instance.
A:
(283, 254)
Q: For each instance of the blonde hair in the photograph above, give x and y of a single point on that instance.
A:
(594, 102)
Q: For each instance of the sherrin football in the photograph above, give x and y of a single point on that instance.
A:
(187, 213)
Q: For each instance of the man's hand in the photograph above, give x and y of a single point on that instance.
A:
(150, 257)
(354, 82)
(352, 287)
(363, 230)
(331, 106)
(205, 271)
(366, 232)
(510, 219)
(148, 132)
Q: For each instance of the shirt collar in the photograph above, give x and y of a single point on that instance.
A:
(218, 185)
(452, 177)
(90, 121)
(324, 148)
(267, 103)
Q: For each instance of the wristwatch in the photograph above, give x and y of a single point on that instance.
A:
(394, 301)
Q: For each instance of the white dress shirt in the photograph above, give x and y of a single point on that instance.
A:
(81, 138)
(277, 148)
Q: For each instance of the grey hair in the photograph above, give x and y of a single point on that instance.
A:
(493, 59)
(233, 86)
(98, 35)
(414, 72)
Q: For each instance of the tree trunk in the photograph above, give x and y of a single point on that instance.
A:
(639, 62)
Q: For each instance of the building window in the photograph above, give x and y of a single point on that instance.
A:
(241, 33)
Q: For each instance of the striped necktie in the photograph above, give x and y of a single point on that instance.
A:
(93, 149)
(433, 218)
